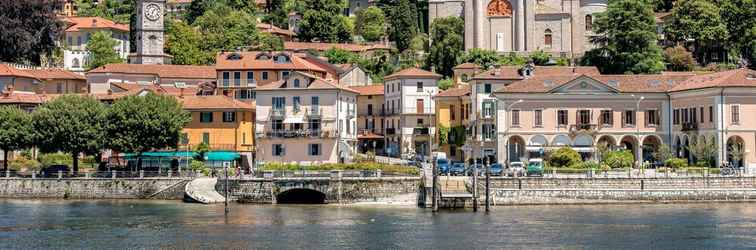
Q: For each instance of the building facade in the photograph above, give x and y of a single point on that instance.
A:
(78, 32)
(305, 119)
(41, 80)
(453, 117)
(370, 116)
(410, 112)
(150, 32)
(560, 27)
(101, 79)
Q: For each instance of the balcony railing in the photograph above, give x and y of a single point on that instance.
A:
(212, 146)
(690, 126)
(301, 133)
(390, 131)
(350, 113)
(314, 111)
(421, 131)
(583, 127)
(278, 112)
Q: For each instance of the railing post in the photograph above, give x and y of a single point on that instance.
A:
(60, 174)
(378, 173)
(170, 173)
(643, 184)
(7, 173)
(34, 175)
(86, 175)
(141, 174)
(113, 175)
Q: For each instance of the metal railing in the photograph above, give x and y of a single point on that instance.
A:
(295, 133)
(583, 127)
(278, 112)
(101, 174)
(326, 174)
(690, 126)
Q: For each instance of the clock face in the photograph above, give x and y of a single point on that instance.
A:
(152, 12)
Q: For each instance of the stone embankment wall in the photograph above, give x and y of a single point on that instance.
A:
(147, 188)
(619, 190)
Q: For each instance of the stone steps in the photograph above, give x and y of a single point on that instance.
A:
(202, 190)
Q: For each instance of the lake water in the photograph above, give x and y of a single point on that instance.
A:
(175, 225)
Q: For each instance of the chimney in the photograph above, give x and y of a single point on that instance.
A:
(94, 22)
(181, 93)
(110, 92)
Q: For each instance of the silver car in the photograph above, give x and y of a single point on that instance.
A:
(515, 168)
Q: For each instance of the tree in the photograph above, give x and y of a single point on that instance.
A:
(340, 56)
(539, 57)
(484, 58)
(679, 59)
(564, 157)
(269, 42)
(197, 9)
(704, 150)
(447, 47)
(403, 21)
(627, 40)
(139, 124)
(15, 131)
(619, 159)
(30, 30)
(116, 10)
(322, 20)
(224, 28)
(82, 132)
(699, 20)
(664, 153)
(741, 25)
(101, 52)
(185, 43)
(277, 14)
(445, 83)
(370, 23)
(736, 152)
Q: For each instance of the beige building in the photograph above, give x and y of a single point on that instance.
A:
(560, 27)
(305, 119)
(77, 33)
(41, 81)
(635, 112)
(101, 79)
(370, 116)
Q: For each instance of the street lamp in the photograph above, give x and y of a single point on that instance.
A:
(638, 153)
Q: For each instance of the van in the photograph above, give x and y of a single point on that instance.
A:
(535, 167)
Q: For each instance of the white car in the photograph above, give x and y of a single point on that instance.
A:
(515, 168)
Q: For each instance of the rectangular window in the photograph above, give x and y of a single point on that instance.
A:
(488, 108)
(606, 118)
(694, 115)
(250, 78)
(487, 88)
(584, 117)
(297, 104)
(676, 117)
(685, 116)
(420, 122)
(229, 116)
(702, 114)
(314, 124)
(538, 118)
(419, 86)
(420, 106)
(315, 101)
(284, 74)
(735, 109)
(711, 114)
(629, 117)
(451, 112)
(206, 138)
(244, 138)
(489, 131)
(279, 102)
(59, 88)
(652, 120)
(370, 109)
(562, 118)
(226, 76)
(278, 150)
(206, 117)
(314, 149)
(265, 75)
(237, 79)
(515, 118)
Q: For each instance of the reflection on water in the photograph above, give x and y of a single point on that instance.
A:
(171, 224)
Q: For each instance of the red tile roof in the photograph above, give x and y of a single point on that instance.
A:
(303, 46)
(621, 83)
(213, 102)
(513, 72)
(270, 28)
(369, 89)
(54, 74)
(730, 78)
(14, 97)
(78, 23)
(412, 72)
(467, 65)
(460, 90)
(163, 71)
(7, 70)
(316, 83)
(249, 61)
(169, 90)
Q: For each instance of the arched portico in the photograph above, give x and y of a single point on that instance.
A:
(536, 146)
(735, 151)
(651, 144)
(630, 142)
(516, 148)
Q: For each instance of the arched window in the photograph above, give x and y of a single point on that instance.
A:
(547, 38)
(75, 63)
(588, 22)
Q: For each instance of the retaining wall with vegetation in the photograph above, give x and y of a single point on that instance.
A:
(81, 188)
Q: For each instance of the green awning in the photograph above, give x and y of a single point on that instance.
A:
(222, 156)
(211, 156)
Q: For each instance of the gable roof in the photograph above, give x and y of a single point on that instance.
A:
(467, 65)
(161, 70)
(54, 74)
(303, 46)
(7, 70)
(79, 23)
(270, 28)
(369, 89)
(620, 83)
(412, 72)
(316, 83)
(248, 60)
(730, 78)
(460, 90)
(213, 102)
(169, 90)
(15, 97)
(513, 72)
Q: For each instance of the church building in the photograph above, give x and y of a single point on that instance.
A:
(560, 27)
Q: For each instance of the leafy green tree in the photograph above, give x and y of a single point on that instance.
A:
(447, 47)
(30, 30)
(564, 157)
(15, 131)
(378, 65)
(628, 39)
(699, 20)
(663, 5)
(197, 9)
(403, 21)
(83, 129)
(513, 59)
(139, 124)
(482, 57)
(445, 83)
(101, 52)
(116, 10)
(619, 159)
(664, 153)
(704, 150)
(679, 59)
(277, 14)
(370, 23)
(322, 20)
(741, 25)
(419, 43)
(224, 28)
(539, 57)
(185, 43)
(269, 42)
(339, 56)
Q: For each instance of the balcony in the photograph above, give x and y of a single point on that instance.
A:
(280, 113)
(421, 131)
(212, 146)
(314, 111)
(301, 133)
(583, 127)
(350, 113)
(689, 126)
(390, 131)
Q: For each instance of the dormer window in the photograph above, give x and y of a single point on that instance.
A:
(282, 59)
(234, 57)
(527, 70)
(263, 56)
(296, 83)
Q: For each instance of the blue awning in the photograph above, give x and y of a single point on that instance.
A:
(222, 156)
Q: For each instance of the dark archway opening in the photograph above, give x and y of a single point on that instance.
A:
(301, 196)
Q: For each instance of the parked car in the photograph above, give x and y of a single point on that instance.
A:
(443, 166)
(515, 168)
(52, 171)
(457, 168)
(496, 169)
(535, 167)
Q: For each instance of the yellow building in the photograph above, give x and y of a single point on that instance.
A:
(452, 116)
(221, 122)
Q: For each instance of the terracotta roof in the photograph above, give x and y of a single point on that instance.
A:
(270, 28)
(412, 72)
(316, 83)
(303, 46)
(621, 83)
(7, 70)
(248, 61)
(194, 102)
(54, 74)
(730, 78)
(513, 72)
(467, 65)
(169, 90)
(344, 66)
(163, 71)
(369, 89)
(15, 97)
(78, 23)
(460, 90)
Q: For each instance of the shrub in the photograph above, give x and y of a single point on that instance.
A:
(540, 57)
(587, 165)
(619, 159)
(22, 163)
(679, 59)
(55, 159)
(564, 157)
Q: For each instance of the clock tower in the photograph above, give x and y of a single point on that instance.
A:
(150, 33)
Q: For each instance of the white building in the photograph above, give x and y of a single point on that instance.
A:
(78, 33)
(410, 111)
